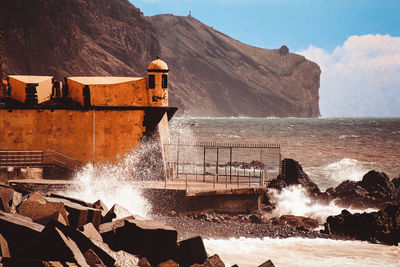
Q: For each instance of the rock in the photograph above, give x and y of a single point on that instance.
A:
(298, 221)
(90, 232)
(83, 242)
(79, 215)
(100, 205)
(9, 199)
(213, 261)
(374, 190)
(379, 186)
(122, 258)
(191, 251)
(383, 225)
(268, 263)
(18, 230)
(150, 239)
(143, 262)
(71, 199)
(92, 259)
(41, 211)
(4, 250)
(168, 263)
(52, 245)
(116, 212)
(293, 174)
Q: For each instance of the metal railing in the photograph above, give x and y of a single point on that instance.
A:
(37, 158)
(244, 164)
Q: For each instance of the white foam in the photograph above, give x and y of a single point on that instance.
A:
(294, 200)
(301, 252)
(333, 174)
(112, 183)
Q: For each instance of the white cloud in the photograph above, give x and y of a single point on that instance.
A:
(361, 78)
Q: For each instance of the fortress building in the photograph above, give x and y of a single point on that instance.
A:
(84, 119)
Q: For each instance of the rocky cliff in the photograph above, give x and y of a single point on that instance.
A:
(75, 37)
(213, 74)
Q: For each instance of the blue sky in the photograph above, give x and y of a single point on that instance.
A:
(326, 32)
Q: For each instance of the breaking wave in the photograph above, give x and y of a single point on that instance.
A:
(293, 200)
(334, 173)
(301, 252)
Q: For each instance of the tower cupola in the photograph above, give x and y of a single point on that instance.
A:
(158, 82)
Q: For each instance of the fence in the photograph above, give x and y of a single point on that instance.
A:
(229, 163)
(37, 159)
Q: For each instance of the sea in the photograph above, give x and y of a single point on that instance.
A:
(330, 150)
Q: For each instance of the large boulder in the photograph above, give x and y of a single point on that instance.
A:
(18, 230)
(52, 245)
(150, 239)
(374, 190)
(213, 261)
(191, 251)
(383, 226)
(78, 214)
(293, 174)
(41, 211)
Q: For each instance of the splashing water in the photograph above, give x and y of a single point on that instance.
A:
(115, 183)
(294, 200)
(334, 173)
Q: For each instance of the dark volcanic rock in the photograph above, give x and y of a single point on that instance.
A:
(293, 174)
(213, 261)
(230, 78)
(383, 226)
(396, 182)
(295, 221)
(268, 263)
(374, 190)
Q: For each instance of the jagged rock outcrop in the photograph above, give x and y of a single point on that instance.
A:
(293, 174)
(383, 226)
(67, 38)
(213, 74)
(374, 190)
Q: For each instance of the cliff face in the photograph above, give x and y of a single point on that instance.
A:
(213, 74)
(76, 37)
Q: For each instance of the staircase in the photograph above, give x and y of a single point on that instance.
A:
(38, 158)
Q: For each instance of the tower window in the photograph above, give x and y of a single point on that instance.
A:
(164, 81)
(152, 81)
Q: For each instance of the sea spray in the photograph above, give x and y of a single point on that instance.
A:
(294, 200)
(118, 183)
(301, 252)
(336, 172)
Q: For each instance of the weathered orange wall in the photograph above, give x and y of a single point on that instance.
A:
(132, 93)
(158, 91)
(73, 132)
(123, 94)
(43, 89)
(17, 89)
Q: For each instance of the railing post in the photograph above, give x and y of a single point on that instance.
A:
(216, 171)
(230, 165)
(204, 165)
